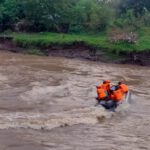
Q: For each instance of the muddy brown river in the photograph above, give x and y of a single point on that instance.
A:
(47, 103)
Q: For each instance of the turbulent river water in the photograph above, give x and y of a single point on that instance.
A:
(47, 103)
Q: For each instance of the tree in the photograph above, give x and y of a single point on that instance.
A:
(138, 6)
(8, 13)
(48, 14)
(91, 15)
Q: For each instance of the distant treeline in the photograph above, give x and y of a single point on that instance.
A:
(73, 15)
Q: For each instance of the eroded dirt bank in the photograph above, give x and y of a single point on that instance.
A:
(81, 50)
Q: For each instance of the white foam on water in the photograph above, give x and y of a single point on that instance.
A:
(37, 93)
(123, 107)
(89, 115)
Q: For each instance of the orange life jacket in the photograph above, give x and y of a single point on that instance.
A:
(101, 93)
(105, 86)
(118, 95)
(124, 88)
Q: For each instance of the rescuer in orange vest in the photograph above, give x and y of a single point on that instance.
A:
(102, 94)
(110, 103)
(117, 95)
(105, 85)
(123, 87)
(103, 90)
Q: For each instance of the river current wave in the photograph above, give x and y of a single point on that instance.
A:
(48, 103)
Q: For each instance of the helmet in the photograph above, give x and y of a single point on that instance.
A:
(107, 81)
(119, 82)
(117, 87)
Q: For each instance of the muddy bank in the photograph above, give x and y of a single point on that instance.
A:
(139, 58)
(80, 50)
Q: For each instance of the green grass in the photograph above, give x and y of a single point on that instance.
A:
(144, 39)
(98, 41)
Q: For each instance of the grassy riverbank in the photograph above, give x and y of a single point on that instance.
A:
(99, 41)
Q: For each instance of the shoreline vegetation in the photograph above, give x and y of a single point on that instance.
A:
(115, 31)
(95, 47)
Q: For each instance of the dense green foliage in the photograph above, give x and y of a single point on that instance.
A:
(73, 15)
(118, 25)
